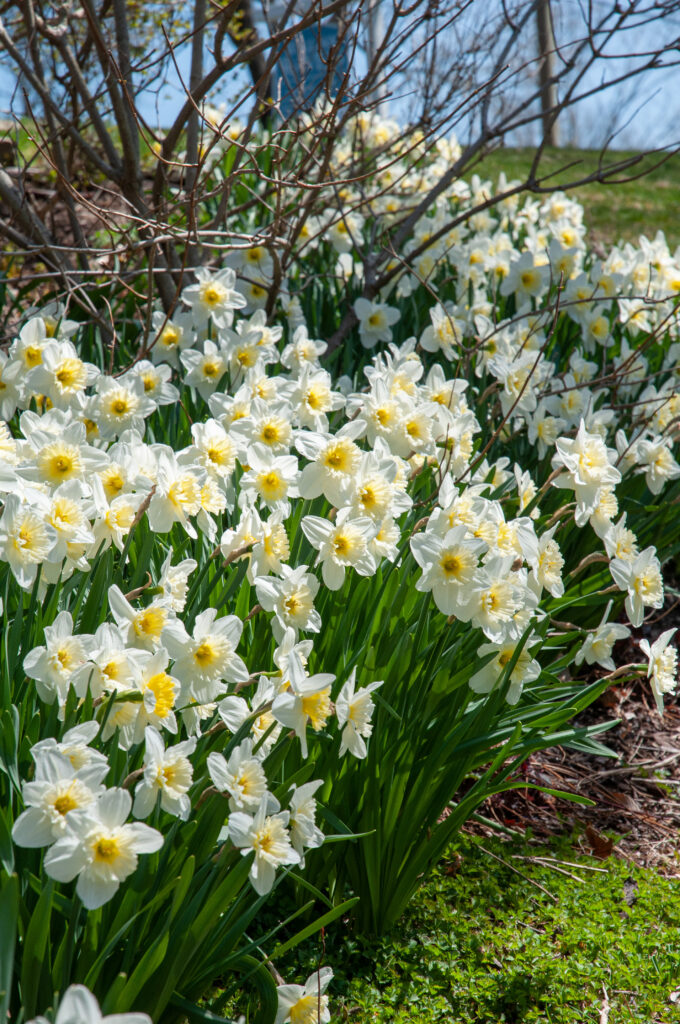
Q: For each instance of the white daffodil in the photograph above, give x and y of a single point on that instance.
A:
(663, 666)
(110, 665)
(375, 321)
(290, 657)
(174, 581)
(265, 834)
(524, 278)
(444, 334)
(121, 405)
(657, 463)
(643, 581)
(334, 461)
(497, 598)
(525, 670)
(170, 336)
(214, 449)
(385, 543)
(291, 598)
(354, 709)
(302, 351)
(589, 466)
(156, 381)
(213, 296)
(146, 628)
(341, 544)
(271, 547)
(314, 398)
(27, 540)
(204, 369)
(620, 542)
(57, 789)
(450, 568)
(177, 495)
(307, 701)
(61, 374)
(79, 1006)
(265, 729)
(241, 777)
(113, 519)
(547, 565)
(168, 772)
(70, 505)
(543, 429)
(305, 1004)
(209, 656)
(53, 666)
(74, 746)
(304, 833)
(159, 693)
(598, 645)
(374, 493)
(100, 849)
(270, 479)
(268, 424)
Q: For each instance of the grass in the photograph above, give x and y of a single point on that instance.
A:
(613, 212)
(481, 943)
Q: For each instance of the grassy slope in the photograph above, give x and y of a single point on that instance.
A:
(613, 212)
(480, 943)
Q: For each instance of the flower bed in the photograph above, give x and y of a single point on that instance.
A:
(269, 624)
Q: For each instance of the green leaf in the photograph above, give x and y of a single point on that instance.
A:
(195, 1012)
(146, 967)
(315, 926)
(9, 910)
(35, 961)
(6, 844)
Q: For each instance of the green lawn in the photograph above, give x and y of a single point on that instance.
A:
(481, 943)
(613, 211)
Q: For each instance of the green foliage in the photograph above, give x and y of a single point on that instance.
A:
(482, 944)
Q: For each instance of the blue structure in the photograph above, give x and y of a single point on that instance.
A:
(300, 75)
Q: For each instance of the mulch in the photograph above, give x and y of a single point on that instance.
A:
(636, 795)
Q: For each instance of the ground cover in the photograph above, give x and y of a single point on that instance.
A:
(515, 932)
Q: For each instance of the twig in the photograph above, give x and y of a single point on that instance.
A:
(520, 873)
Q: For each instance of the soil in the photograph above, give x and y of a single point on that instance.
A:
(636, 795)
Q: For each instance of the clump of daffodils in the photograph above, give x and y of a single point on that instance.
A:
(437, 462)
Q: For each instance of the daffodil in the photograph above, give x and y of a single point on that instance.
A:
(305, 1004)
(167, 773)
(354, 709)
(100, 849)
(663, 665)
(341, 544)
(53, 666)
(207, 660)
(308, 701)
(79, 1006)
(291, 598)
(57, 789)
(266, 835)
(642, 580)
(242, 777)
